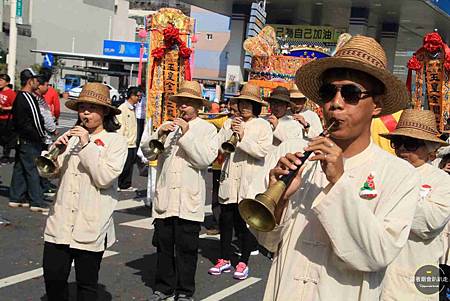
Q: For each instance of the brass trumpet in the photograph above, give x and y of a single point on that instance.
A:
(229, 146)
(156, 146)
(259, 213)
(47, 165)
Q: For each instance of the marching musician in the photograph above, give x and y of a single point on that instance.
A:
(347, 213)
(312, 125)
(283, 126)
(415, 139)
(254, 143)
(80, 225)
(178, 206)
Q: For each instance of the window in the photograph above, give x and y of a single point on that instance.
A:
(209, 36)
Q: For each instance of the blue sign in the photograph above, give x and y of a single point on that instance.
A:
(444, 5)
(125, 49)
(48, 61)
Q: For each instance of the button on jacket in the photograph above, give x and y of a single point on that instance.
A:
(247, 161)
(427, 240)
(87, 193)
(182, 169)
(334, 244)
(128, 123)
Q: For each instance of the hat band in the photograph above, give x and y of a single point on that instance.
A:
(355, 52)
(416, 126)
(245, 93)
(188, 90)
(99, 97)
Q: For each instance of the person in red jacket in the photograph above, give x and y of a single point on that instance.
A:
(52, 99)
(7, 97)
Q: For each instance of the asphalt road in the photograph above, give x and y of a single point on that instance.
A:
(127, 271)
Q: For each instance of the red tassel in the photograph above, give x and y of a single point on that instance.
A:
(187, 70)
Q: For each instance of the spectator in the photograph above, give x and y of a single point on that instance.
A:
(128, 129)
(140, 117)
(7, 97)
(29, 126)
(52, 98)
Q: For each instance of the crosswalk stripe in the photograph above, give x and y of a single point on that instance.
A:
(232, 289)
(145, 223)
(128, 204)
(35, 273)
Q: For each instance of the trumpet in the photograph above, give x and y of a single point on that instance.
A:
(229, 146)
(47, 165)
(156, 146)
(259, 213)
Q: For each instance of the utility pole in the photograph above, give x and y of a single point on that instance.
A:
(12, 41)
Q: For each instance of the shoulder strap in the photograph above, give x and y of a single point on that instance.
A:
(389, 122)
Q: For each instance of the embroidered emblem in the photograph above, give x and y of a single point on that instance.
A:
(368, 191)
(99, 142)
(424, 190)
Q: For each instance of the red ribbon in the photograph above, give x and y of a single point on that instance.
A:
(414, 63)
(432, 42)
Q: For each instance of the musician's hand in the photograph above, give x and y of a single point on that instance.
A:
(301, 119)
(330, 155)
(183, 124)
(81, 133)
(284, 165)
(273, 120)
(168, 127)
(237, 127)
(61, 142)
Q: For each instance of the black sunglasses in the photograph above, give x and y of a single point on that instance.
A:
(350, 93)
(410, 144)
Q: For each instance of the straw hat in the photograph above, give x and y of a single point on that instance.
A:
(419, 124)
(95, 93)
(251, 92)
(359, 53)
(295, 92)
(191, 90)
(279, 94)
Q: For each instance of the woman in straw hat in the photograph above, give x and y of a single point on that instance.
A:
(283, 126)
(189, 149)
(255, 141)
(80, 225)
(308, 119)
(415, 139)
(346, 215)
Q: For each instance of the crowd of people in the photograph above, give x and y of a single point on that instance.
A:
(356, 221)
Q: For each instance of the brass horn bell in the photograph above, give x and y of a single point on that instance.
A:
(47, 165)
(230, 145)
(156, 147)
(259, 213)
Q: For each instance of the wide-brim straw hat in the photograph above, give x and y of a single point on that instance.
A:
(279, 94)
(419, 124)
(251, 92)
(191, 90)
(359, 53)
(295, 93)
(94, 93)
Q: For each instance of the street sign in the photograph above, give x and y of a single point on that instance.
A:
(19, 9)
(122, 48)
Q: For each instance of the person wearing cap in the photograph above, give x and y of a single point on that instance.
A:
(347, 213)
(414, 140)
(80, 225)
(254, 143)
(178, 206)
(309, 120)
(283, 126)
(128, 129)
(7, 97)
(25, 189)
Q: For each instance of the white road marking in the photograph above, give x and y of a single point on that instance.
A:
(232, 289)
(128, 204)
(144, 223)
(35, 273)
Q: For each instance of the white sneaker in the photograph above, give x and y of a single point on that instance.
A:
(222, 266)
(129, 189)
(241, 272)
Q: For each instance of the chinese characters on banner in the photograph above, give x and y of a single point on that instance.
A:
(306, 33)
(170, 83)
(434, 86)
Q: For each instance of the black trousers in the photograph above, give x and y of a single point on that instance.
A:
(176, 241)
(229, 219)
(126, 176)
(215, 205)
(57, 263)
(140, 130)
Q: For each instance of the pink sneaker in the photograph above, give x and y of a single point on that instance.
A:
(241, 272)
(222, 266)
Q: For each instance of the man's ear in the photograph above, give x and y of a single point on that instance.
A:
(377, 106)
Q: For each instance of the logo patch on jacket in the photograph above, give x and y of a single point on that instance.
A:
(368, 191)
(424, 190)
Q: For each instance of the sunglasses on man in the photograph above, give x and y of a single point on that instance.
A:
(351, 94)
(410, 144)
